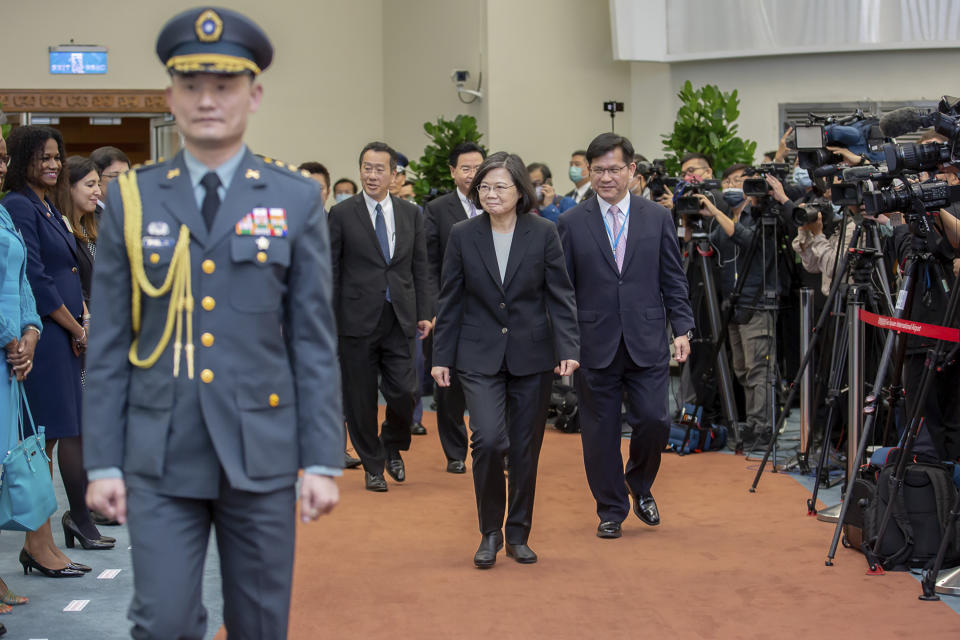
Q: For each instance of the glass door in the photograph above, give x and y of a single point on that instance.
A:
(165, 138)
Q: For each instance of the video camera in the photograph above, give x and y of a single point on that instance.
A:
(910, 197)
(655, 175)
(808, 212)
(928, 156)
(857, 132)
(687, 202)
(756, 185)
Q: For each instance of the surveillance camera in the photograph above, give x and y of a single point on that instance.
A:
(460, 76)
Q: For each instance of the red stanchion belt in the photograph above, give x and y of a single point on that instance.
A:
(911, 326)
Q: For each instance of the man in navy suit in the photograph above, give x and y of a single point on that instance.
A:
(624, 261)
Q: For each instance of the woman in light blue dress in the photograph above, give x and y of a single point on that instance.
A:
(19, 329)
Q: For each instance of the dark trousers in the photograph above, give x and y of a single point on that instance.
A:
(450, 426)
(600, 393)
(255, 540)
(389, 353)
(507, 416)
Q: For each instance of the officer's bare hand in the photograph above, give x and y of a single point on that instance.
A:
(681, 348)
(109, 497)
(423, 329)
(441, 375)
(318, 496)
(566, 367)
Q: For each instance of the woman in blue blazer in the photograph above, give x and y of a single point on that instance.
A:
(53, 391)
(507, 322)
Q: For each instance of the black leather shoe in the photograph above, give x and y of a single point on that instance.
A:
(71, 532)
(645, 508)
(521, 553)
(76, 566)
(349, 462)
(374, 481)
(101, 520)
(395, 466)
(486, 555)
(456, 466)
(418, 429)
(30, 564)
(608, 529)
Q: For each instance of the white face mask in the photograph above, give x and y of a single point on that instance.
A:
(340, 197)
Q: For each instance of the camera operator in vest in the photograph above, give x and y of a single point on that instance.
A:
(752, 325)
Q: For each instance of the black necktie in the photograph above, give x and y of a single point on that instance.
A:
(211, 201)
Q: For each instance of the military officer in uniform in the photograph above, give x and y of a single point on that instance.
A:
(212, 361)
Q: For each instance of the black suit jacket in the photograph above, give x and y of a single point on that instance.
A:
(439, 217)
(528, 322)
(361, 275)
(636, 303)
(589, 193)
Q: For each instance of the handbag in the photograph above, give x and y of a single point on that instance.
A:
(27, 499)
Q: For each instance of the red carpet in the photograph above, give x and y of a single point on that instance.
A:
(724, 564)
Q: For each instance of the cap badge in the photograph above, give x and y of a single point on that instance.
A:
(209, 26)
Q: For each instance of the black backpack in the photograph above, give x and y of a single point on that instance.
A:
(920, 515)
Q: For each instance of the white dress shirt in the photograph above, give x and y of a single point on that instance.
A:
(387, 205)
(468, 206)
(624, 207)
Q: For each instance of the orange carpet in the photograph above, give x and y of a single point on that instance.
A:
(724, 564)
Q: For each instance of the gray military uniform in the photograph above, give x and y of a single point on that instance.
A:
(223, 448)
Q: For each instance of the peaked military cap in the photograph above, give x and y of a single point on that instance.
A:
(213, 40)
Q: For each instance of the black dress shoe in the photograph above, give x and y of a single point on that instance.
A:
(395, 466)
(349, 462)
(456, 466)
(101, 520)
(374, 481)
(486, 555)
(76, 566)
(608, 529)
(107, 540)
(418, 429)
(30, 564)
(72, 532)
(645, 508)
(521, 553)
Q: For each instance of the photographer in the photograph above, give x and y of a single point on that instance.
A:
(694, 168)
(549, 204)
(751, 327)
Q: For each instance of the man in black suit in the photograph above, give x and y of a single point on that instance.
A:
(624, 261)
(579, 174)
(383, 296)
(440, 215)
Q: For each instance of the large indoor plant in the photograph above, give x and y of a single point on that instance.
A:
(705, 124)
(433, 170)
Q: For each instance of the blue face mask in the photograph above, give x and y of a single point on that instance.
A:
(576, 174)
(733, 197)
(802, 178)
(340, 197)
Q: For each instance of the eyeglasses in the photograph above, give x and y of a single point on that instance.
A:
(613, 172)
(691, 171)
(369, 169)
(498, 189)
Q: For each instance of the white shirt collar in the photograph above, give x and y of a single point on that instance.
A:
(372, 204)
(623, 206)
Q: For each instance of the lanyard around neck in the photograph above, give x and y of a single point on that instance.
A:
(615, 242)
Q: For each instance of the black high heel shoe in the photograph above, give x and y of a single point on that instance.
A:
(30, 564)
(71, 532)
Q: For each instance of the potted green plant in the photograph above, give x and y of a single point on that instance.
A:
(433, 170)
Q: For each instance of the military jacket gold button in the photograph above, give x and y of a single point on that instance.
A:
(206, 339)
(208, 266)
(154, 258)
(261, 256)
(207, 376)
(208, 303)
(274, 400)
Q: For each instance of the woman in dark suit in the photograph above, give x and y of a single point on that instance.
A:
(506, 323)
(53, 390)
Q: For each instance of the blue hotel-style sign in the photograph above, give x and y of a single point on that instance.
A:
(78, 62)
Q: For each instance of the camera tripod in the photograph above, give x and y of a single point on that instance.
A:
(864, 265)
(814, 339)
(700, 253)
(921, 256)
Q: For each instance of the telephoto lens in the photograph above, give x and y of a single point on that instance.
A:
(916, 157)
